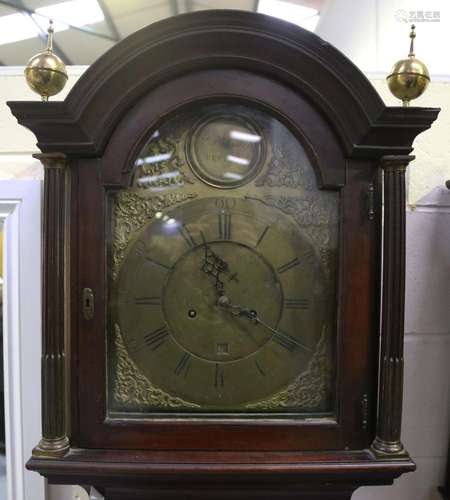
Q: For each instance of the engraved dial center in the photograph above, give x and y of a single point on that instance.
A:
(216, 335)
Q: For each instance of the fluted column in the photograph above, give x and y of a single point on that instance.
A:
(54, 442)
(390, 397)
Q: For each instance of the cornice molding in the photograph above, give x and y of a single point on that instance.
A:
(83, 123)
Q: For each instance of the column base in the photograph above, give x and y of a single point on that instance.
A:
(52, 448)
(384, 448)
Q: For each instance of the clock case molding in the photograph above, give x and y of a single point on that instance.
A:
(87, 144)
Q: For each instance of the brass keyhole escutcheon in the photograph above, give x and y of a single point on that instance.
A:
(88, 303)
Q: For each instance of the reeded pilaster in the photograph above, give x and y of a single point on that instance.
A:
(54, 442)
(390, 397)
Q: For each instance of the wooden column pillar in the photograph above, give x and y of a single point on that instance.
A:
(54, 442)
(390, 397)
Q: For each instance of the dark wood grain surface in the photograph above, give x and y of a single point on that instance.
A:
(168, 475)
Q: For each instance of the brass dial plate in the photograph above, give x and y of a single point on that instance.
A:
(222, 302)
(169, 308)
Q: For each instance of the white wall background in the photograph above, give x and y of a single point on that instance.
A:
(20, 203)
(369, 32)
(374, 33)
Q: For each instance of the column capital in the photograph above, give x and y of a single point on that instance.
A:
(52, 160)
(396, 162)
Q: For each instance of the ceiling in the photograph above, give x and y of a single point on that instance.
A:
(82, 46)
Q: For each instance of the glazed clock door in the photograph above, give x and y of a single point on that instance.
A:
(219, 281)
(222, 297)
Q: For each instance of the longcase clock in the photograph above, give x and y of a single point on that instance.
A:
(212, 267)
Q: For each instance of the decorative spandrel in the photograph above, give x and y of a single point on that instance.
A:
(223, 258)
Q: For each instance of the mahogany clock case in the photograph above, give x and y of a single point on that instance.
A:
(179, 65)
(262, 432)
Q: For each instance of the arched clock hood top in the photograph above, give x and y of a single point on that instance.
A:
(83, 123)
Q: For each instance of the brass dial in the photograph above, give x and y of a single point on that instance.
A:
(221, 302)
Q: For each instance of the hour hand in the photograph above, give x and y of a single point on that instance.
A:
(214, 265)
(212, 262)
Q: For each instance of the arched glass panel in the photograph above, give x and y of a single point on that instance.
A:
(223, 262)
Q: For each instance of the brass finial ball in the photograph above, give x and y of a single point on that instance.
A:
(409, 77)
(45, 72)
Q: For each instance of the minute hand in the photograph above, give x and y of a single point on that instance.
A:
(237, 310)
(258, 320)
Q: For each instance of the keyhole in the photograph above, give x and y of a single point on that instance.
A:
(88, 303)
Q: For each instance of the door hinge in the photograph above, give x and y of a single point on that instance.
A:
(365, 412)
(88, 303)
(371, 202)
